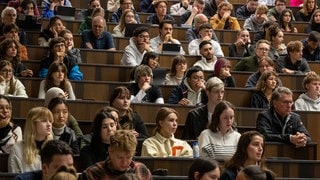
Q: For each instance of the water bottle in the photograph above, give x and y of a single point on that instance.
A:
(195, 149)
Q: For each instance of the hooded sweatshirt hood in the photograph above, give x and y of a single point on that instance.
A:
(306, 103)
(193, 96)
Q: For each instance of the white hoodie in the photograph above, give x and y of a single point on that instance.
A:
(193, 96)
(305, 103)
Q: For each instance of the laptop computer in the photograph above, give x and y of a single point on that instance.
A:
(28, 23)
(171, 48)
(159, 75)
(66, 13)
(131, 27)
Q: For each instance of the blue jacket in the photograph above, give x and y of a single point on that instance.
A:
(46, 12)
(74, 72)
(146, 6)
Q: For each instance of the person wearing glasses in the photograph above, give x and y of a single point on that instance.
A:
(193, 33)
(251, 63)
(124, 5)
(279, 123)
(139, 44)
(274, 13)
(57, 53)
(9, 85)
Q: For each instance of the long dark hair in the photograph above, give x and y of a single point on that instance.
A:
(96, 140)
(215, 121)
(54, 67)
(281, 23)
(241, 155)
(125, 121)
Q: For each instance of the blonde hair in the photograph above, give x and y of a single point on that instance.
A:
(309, 78)
(122, 23)
(30, 150)
(123, 141)
(262, 8)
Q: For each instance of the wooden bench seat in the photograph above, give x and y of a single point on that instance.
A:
(282, 167)
(85, 90)
(105, 57)
(85, 110)
(273, 149)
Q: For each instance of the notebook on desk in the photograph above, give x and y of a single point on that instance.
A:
(159, 75)
(28, 23)
(131, 27)
(171, 48)
(66, 13)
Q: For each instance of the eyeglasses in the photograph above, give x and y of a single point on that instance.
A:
(144, 36)
(59, 45)
(6, 71)
(263, 49)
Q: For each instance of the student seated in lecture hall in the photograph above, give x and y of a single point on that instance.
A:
(52, 30)
(124, 5)
(310, 100)
(250, 151)
(190, 91)
(160, 7)
(205, 32)
(256, 21)
(97, 149)
(37, 132)
(123, 143)
(97, 37)
(223, 19)
(279, 123)
(54, 154)
(220, 140)
(198, 118)
(208, 58)
(138, 46)
(193, 32)
(251, 63)
(163, 143)
(247, 9)
(142, 90)
(165, 36)
(187, 18)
